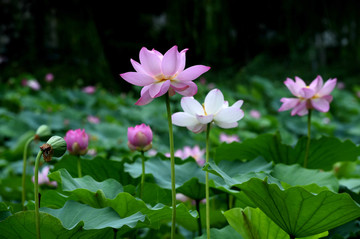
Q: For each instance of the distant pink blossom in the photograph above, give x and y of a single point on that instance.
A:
(77, 141)
(152, 152)
(43, 178)
(229, 138)
(89, 89)
(33, 84)
(340, 85)
(183, 198)
(49, 77)
(255, 114)
(93, 119)
(315, 96)
(92, 152)
(159, 74)
(194, 152)
(140, 137)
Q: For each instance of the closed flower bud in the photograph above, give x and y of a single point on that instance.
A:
(77, 141)
(140, 138)
(55, 146)
(43, 133)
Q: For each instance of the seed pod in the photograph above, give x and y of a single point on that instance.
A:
(43, 133)
(55, 146)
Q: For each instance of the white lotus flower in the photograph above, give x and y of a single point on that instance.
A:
(214, 110)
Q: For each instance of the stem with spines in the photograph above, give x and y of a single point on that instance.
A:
(308, 139)
(172, 162)
(23, 195)
(207, 193)
(36, 193)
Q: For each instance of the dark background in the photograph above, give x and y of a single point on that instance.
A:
(91, 42)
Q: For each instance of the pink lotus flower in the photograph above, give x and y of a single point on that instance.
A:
(194, 152)
(43, 178)
(49, 77)
(33, 84)
(93, 119)
(315, 96)
(77, 141)
(89, 89)
(255, 114)
(229, 138)
(214, 110)
(162, 73)
(140, 137)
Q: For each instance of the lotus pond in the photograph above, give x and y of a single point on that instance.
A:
(228, 163)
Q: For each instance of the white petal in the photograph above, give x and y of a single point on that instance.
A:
(204, 119)
(226, 125)
(192, 106)
(229, 115)
(197, 128)
(213, 101)
(184, 119)
(238, 104)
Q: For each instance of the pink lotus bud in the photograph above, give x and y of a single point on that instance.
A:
(255, 114)
(140, 137)
(89, 89)
(77, 141)
(93, 119)
(49, 77)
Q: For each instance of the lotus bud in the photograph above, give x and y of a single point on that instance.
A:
(77, 141)
(140, 138)
(43, 133)
(55, 146)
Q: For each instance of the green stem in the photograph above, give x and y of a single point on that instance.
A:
(79, 166)
(231, 201)
(24, 171)
(36, 192)
(172, 160)
(197, 202)
(143, 174)
(207, 184)
(308, 139)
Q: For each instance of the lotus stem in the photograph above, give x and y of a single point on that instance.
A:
(36, 193)
(197, 202)
(172, 161)
(308, 139)
(79, 166)
(24, 171)
(143, 174)
(207, 184)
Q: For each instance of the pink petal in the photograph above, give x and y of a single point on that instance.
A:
(191, 106)
(290, 84)
(306, 93)
(150, 62)
(170, 64)
(179, 86)
(204, 119)
(299, 82)
(137, 66)
(190, 91)
(227, 125)
(288, 103)
(320, 104)
(138, 79)
(328, 87)
(329, 98)
(229, 115)
(182, 60)
(183, 119)
(158, 89)
(300, 109)
(213, 101)
(192, 73)
(145, 97)
(316, 84)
